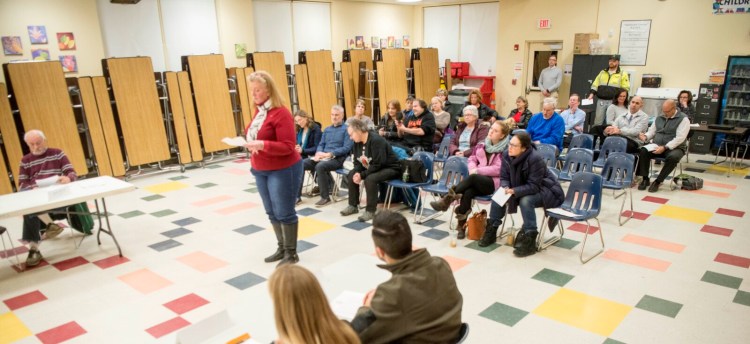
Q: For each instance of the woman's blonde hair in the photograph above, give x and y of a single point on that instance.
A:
(511, 123)
(301, 310)
(265, 79)
(438, 100)
(360, 101)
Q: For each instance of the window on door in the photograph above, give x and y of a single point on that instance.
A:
(541, 61)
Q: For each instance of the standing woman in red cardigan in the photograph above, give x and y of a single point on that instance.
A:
(276, 165)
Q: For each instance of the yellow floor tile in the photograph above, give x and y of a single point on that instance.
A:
(684, 214)
(166, 187)
(13, 328)
(309, 227)
(738, 170)
(587, 312)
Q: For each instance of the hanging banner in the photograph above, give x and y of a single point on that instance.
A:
(731, 6)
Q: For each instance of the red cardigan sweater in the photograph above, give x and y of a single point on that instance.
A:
(279, 139)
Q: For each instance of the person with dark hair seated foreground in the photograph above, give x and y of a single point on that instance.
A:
(420, 303)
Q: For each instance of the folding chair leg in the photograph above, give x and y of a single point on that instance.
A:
(421, 218)
(388, 195)
(583, 246)
(622, 207)
(542, 244)
(3, 233)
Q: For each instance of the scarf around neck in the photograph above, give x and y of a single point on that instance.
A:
(260, 118)
(499, 147)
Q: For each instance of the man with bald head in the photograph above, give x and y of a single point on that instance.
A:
(547, 126)
(630, 125)
(42, 162)
(669, 132)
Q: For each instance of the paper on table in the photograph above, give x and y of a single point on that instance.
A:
(651, 147)
(238, 141)
(563, 212)
(58, 191)
(345, 305)
(44, 182)
(500, 197)
(587, 101)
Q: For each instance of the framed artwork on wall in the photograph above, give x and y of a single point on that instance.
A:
(12, 45)
(37, 34)
(69, 63)
(40, 54)
(66, 41)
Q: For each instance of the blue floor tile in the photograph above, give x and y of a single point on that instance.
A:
(307, 211)
(303, 246)
(165, 245)
(245, 281)
(249, 229)
(176, 232)
(357, 226)
(434, 234)
(186, 221)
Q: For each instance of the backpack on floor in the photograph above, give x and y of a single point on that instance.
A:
(688, 182)
(79, 217)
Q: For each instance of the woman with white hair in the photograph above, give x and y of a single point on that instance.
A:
(468, 133)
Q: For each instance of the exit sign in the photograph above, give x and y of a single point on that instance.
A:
(544, 24)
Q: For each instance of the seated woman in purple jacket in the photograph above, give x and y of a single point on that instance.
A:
(468, 133)
(484, 175)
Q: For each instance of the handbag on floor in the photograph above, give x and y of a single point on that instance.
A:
(688, 182)
(476, 224)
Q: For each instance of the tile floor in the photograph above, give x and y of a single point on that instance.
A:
(194, 243)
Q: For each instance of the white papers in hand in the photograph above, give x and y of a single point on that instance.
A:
(345, 305)
(238, 141)
(563, 212)
(500, 197)
(587, 101)
(651, 147)
(47, 181)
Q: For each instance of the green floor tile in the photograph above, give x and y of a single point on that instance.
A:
(152, 198)
(205, 185)
(130, 214)
(553, 277)
(566, 243)
(722, 279)
(612, 341)
(475, 245)
(178, 178)
(213, 166)
(742, 297)
(165, 212)
(659, 306)
(504, 314)
(252, 190)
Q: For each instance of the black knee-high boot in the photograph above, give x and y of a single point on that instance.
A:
(290, 243)
(276, 256)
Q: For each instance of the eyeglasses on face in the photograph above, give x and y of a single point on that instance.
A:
(514, 145)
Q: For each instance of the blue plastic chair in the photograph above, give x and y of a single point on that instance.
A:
(611, 145)
(584, 201)
(516, 131)
(617, 174)
(579, 141)
(578, 160)
(443, 152)
(549, 154)
(427, 159)
(454, 171)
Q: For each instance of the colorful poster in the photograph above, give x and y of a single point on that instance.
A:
(731, 6)
(37, 34)
(69, 63)
(350, 43)
(360, 42)
(406, 41)
(66, 41)
(240, 50)
(40, 54)
(391, 41)
(398, 43)
(383, 43)
(12, 45)
(375, 42)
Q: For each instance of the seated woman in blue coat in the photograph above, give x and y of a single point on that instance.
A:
(525, 176)
(547, 127)
(308, 138)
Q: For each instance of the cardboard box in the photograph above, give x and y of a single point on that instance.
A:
(581, 42)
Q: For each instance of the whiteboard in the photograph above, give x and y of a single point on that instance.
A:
(273, 28)
(190, 28)
(132, 30)
(441, 29)
(312, 26)
(478, 45)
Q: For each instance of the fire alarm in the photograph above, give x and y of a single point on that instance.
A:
(515, 47)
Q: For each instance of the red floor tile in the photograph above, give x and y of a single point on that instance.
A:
(730, 212)
(14, 251)
(581, 227)
(636, 215)
(186, 303)
(61, 333)
(27, 268)
(655, 199)
(733, 260)
(111, 261)
(716, 230)
(24, 300)
(167, 327)
(70, 263)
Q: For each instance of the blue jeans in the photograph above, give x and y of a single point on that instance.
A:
(277, 189)
(528, 205)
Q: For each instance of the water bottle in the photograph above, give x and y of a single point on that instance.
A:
(405, 176)
(618, 178)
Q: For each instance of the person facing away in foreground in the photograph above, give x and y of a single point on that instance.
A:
(301, 310)
(420, 303)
